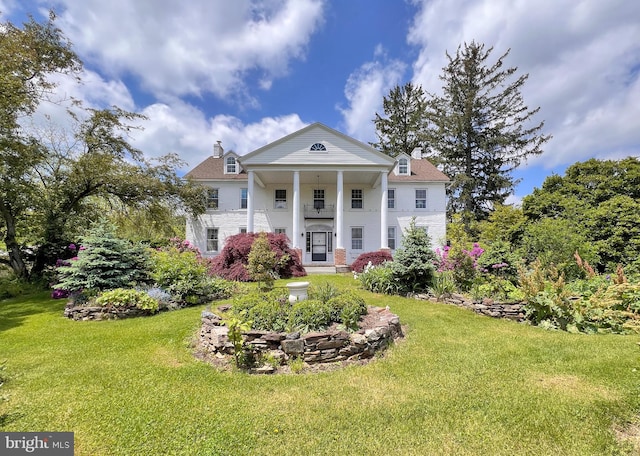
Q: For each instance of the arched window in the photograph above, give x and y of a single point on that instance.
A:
(231, 165)
(403, 166)
(318, 147)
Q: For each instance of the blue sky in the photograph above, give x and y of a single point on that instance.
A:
(248, 72)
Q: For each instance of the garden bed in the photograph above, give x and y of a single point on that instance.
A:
(377, 330)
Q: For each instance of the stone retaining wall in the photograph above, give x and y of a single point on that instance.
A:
(102, 313)
(315, 347)
(510, 310)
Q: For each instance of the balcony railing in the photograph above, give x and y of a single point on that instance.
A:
(316, 212)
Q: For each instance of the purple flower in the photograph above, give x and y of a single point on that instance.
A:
(82, 247)
(59, 294)
(72, 246)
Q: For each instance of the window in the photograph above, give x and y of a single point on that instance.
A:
(212, 239)
(280, 230)
(318, 147)
(356, 198)
(391, 198)
(318, 198)
(212, 198)
(330, 241)
(391, 237)
(421, 198)
(403, 166)
(231, 165)
(243, 198)
(356, 237)
(281, 199)
(308, 242)
(243, 230)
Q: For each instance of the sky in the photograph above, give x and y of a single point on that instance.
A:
(247, 72)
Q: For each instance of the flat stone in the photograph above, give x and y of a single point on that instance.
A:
(292, 347)
(334, 343)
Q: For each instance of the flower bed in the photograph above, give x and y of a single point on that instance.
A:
(378, 328)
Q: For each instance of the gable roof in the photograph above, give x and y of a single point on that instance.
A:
(422, 170)
(213, 168)
(294, 149)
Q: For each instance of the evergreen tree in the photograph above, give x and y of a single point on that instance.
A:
(413, 262)
(105, 262)
(404, 126)
(481, 131)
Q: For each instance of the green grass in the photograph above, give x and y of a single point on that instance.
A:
(457, 384)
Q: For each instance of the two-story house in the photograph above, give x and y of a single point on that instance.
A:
(333, 196)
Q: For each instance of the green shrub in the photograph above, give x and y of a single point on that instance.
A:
(347, 308)
(323, 292)
(127, 297)
(181, 273)
(499, 289)
(380, 279)
(443, 285)
(310, 315)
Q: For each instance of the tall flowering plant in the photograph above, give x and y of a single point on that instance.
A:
(463, 263)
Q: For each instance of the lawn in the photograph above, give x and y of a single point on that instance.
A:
(457, 384)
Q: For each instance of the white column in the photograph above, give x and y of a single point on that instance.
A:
(296, 209)
(384, 241)
(250, 196)
(339, 209)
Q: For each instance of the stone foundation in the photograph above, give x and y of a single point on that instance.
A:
(378, 329)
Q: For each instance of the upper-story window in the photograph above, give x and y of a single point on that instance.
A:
(403, 166)
(243, 198)
(318, 147)
(421, 198)
(391, 198)
(231, 165)
(212, 198)
(356, 198)
(281, 198)
(318, 198)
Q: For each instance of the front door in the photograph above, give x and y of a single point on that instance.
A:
(318, 246)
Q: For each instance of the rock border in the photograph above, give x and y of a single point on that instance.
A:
(378, 329)
(488, 307)
(97, 313)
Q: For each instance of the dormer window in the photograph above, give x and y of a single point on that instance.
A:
(403, 166)
(318, 147)
(231, 165)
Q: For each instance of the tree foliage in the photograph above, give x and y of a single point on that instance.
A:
(481, 131)
(601, 200)
(55, 183)
(404, 125)
(105, 262)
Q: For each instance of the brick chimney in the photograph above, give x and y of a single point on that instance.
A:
(217, 149)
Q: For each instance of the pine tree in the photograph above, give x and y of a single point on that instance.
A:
(405, 125)
(480, 130)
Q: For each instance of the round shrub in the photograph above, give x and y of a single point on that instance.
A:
(127, 297)
(375, 258)
(310, 315)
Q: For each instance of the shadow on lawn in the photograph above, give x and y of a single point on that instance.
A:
(14, 311)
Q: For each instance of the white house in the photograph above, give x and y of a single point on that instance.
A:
(334, 197)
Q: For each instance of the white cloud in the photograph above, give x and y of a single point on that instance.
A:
(183, 129)
(205, 46)
(364, 92)
(583, 61)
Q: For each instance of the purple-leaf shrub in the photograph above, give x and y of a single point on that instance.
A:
(375, 258)
(230, 263)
